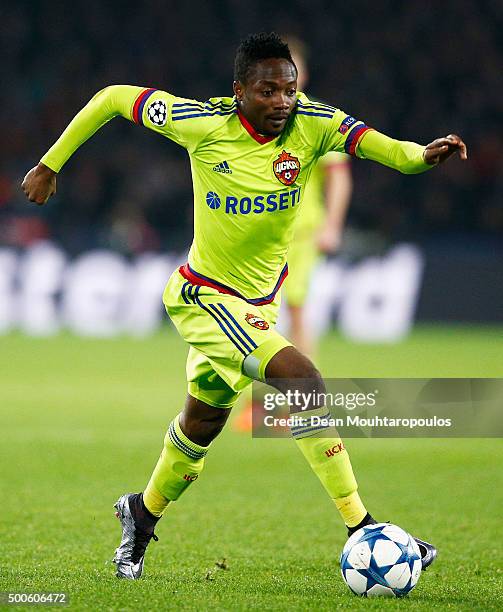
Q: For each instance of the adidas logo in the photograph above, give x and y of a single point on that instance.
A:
(222, 167)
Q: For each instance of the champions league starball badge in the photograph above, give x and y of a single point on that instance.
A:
(157, 113)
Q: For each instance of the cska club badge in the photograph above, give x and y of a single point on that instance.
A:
(286, 168)
(257, 322)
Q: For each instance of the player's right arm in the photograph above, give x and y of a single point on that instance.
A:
(40, 182)
(128, 101)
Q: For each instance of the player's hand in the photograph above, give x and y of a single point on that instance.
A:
(328, 240)
(39, 184)
(442, 148)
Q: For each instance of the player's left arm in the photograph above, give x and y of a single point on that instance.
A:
(338, 191)
(408, 157)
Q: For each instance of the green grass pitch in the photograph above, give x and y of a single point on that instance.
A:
(82, 421)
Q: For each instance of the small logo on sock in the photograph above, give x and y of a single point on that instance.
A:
(338, 448)
(190, 477)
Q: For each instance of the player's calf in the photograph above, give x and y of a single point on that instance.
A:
(320, 443)
(201, 422)
(180, 463)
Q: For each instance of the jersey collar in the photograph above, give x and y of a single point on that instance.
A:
(251, 130)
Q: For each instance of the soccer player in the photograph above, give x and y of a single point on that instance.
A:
(251, 156)
(318, 229)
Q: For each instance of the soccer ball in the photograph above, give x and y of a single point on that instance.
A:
(381, 559)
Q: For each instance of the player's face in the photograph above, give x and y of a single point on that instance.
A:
(268, 97)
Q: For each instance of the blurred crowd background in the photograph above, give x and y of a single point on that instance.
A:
(415, 70)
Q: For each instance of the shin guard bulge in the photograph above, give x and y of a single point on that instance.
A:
(179, 465)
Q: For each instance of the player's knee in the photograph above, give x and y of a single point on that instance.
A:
(291, 364)
(290, 370)
(306, 379)
(310, 383)
(309, 372)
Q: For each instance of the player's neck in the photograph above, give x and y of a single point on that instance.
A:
(260, 138)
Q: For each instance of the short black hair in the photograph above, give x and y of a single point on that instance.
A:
(255, 48)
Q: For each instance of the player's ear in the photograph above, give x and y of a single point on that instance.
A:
(238, 89)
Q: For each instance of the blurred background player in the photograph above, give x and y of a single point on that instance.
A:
(319, 226)
(319, 229)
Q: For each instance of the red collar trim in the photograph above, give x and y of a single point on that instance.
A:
(251, 130)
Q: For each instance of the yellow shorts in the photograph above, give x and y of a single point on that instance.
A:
(303, 255)
(222, 331)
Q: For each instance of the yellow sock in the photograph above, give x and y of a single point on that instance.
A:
(179, 465)
(329, 460)
(351, 509)
(155, 503)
